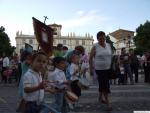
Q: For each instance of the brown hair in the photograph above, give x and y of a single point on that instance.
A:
(34, 55)
(80, 49)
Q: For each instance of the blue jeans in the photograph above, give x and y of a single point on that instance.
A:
(128, 72)
(59, 103)
(47, 109)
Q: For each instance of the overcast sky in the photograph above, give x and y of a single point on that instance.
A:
(79, 16)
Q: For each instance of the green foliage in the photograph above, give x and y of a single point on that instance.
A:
(5, 46)
(142, 38)
(110, 42)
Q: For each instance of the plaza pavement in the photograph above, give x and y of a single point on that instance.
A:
(124, 99)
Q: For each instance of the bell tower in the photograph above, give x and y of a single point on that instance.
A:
(57, 29)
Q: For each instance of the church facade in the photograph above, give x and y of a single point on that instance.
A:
(71, 40)
(124, 38)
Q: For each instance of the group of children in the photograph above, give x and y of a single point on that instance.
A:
(58, 82)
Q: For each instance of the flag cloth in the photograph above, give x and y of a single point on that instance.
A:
(44, 36)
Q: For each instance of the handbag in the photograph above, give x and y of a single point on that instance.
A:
(84, 82)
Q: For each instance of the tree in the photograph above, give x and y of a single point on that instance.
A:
(142, 38)
(110, 42)
(5, 46)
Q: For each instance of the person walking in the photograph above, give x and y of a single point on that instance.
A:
(134, 65)
(102, 53)
(6, 64)
(125, 60)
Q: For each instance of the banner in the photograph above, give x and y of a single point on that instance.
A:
(44, 36)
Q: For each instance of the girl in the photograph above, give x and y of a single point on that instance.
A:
(74, 71)
(25, 63)
(33, 84)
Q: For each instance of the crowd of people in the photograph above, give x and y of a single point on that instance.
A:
(62, 73)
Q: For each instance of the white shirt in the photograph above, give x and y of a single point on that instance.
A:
(30, 79)
(6, 62)
(58, 75)
(103, 57)
(73, 68)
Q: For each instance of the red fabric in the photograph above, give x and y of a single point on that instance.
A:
(7, 72)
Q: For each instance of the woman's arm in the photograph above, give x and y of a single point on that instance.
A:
(92, 54)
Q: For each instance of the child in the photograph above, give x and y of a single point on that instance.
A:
(74, 71)
(59, 77)
(25, 63)
(33, 84)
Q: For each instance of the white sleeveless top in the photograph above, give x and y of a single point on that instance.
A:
(102, 57)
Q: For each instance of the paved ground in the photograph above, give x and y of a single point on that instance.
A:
(125, 99)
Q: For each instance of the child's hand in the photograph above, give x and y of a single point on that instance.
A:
(42, 85)
(66, 82)
(76, 71)
(51, 90)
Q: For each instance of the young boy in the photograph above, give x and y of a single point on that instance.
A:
(58, 76)
(33, 84)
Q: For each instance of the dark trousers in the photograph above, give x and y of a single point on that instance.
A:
(127, 69)
(134, 69)
(32, 107)
(103, 80)
(75, 88)
(146, 73)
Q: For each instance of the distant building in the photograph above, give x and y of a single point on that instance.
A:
(70, 41)
(124, 38)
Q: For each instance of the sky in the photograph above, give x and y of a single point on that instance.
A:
(79, 16)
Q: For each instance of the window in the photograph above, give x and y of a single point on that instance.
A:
(64, 42)
(77, 42)
(54, 42)
(24, 41)
(83, 42)
(55, 31)
(30, 41)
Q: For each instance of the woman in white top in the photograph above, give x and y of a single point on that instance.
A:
(102, 53)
